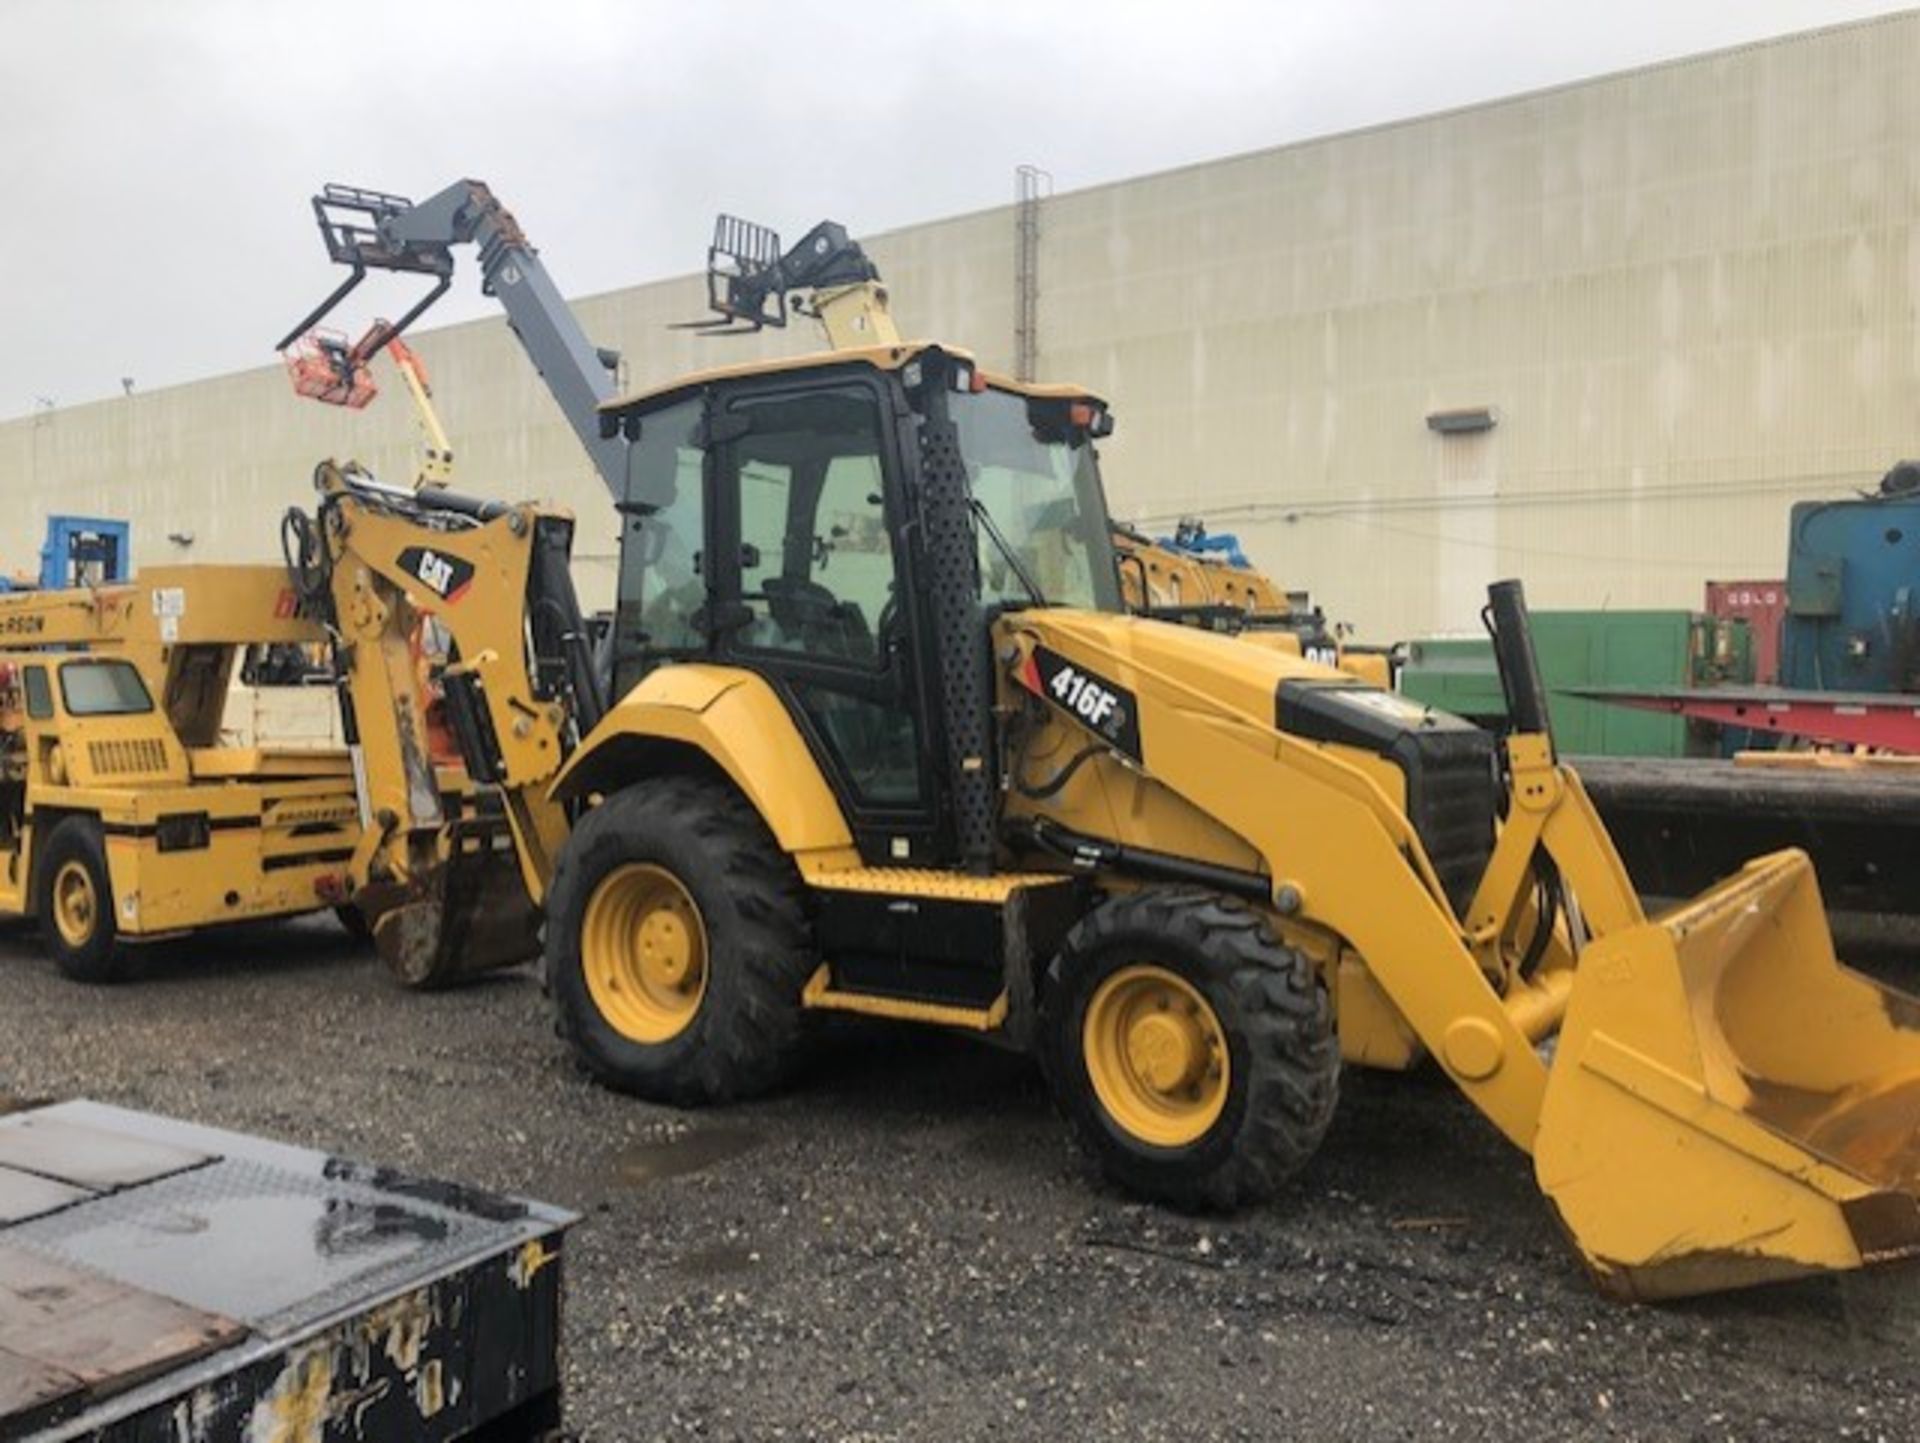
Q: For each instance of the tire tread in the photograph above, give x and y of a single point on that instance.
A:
(1285, 1024)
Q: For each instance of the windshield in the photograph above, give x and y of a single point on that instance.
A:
(103, 688)
(1040, 486)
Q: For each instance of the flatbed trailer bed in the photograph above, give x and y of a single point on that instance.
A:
(1843, 718)
(162, 1282)
(1681, 823)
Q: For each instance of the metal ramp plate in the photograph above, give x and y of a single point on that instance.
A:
(149, 1267)
(26, 1386)
(27, 1195)
(90, 1157)
(63, 1331)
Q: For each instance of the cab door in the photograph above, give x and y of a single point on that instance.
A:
(805, 493)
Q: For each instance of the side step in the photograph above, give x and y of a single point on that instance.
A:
(819, 994)
(947, 949)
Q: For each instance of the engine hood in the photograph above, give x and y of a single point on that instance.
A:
(1127, 680)
(1214, 670)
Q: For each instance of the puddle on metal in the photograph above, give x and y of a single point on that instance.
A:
(684, 1153)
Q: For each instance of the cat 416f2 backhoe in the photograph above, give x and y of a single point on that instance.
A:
(883, 740)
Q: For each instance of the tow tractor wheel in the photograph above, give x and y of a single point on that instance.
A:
(1193, 1053)
(75, 903)
(677, 946)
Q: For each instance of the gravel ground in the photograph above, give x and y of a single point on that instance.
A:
(901, 1246)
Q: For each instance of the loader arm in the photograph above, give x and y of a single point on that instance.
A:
(452, 869)
(367, 230)
(1725, 1104)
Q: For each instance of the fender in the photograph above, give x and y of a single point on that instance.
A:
(734, 719)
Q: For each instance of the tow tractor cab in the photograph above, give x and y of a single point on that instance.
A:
(123, 815)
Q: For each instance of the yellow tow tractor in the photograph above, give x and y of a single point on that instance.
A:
(123, 815)
(882, 739)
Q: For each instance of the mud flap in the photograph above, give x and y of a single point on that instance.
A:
(468, 916)
(1728, 1105)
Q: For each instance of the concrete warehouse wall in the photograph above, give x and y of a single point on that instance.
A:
(1689, 292)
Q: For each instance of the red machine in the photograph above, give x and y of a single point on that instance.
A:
(1762, 605)
(325, 367)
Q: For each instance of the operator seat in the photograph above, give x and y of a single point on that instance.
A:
(814, 620)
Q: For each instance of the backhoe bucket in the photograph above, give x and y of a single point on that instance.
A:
(469, 916)
(1728, 1105)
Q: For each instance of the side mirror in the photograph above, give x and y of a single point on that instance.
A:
(1146, 592)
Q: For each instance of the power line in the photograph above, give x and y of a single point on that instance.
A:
(1523, 549)
(1496, 500)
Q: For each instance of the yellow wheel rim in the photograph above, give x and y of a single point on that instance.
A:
(76, 904)
(643, 947)
(1156, 1055)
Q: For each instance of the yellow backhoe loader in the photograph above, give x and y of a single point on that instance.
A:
(884, 741)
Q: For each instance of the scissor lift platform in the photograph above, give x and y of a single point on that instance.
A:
(162, 1282)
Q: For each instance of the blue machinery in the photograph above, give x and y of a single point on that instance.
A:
(1853, 592)
(81, 551)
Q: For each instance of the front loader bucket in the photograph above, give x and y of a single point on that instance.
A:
(1728, 1105)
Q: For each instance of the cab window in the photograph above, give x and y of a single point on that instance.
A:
(663, 584)
(103, 688)
(816, 562)
(1038, 480)
(39, 693)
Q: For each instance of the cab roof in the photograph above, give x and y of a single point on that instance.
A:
(878, 358)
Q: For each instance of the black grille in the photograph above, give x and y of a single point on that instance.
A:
(1452, 789)
(1450, 801)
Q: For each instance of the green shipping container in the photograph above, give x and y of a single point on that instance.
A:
(1592, 648)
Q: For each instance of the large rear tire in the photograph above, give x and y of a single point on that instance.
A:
(74, 903)
(1192, 1053)
(677, 946)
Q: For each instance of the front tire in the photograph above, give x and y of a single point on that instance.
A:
(1192, 1053)
(74, 903)
(677, 946)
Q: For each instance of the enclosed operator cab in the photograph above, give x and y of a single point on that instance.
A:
(772, 522)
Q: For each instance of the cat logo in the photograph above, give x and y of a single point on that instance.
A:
(445, 576)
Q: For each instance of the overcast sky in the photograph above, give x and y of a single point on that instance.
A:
(156, 155)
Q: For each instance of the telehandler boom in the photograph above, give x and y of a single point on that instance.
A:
(885, 741)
